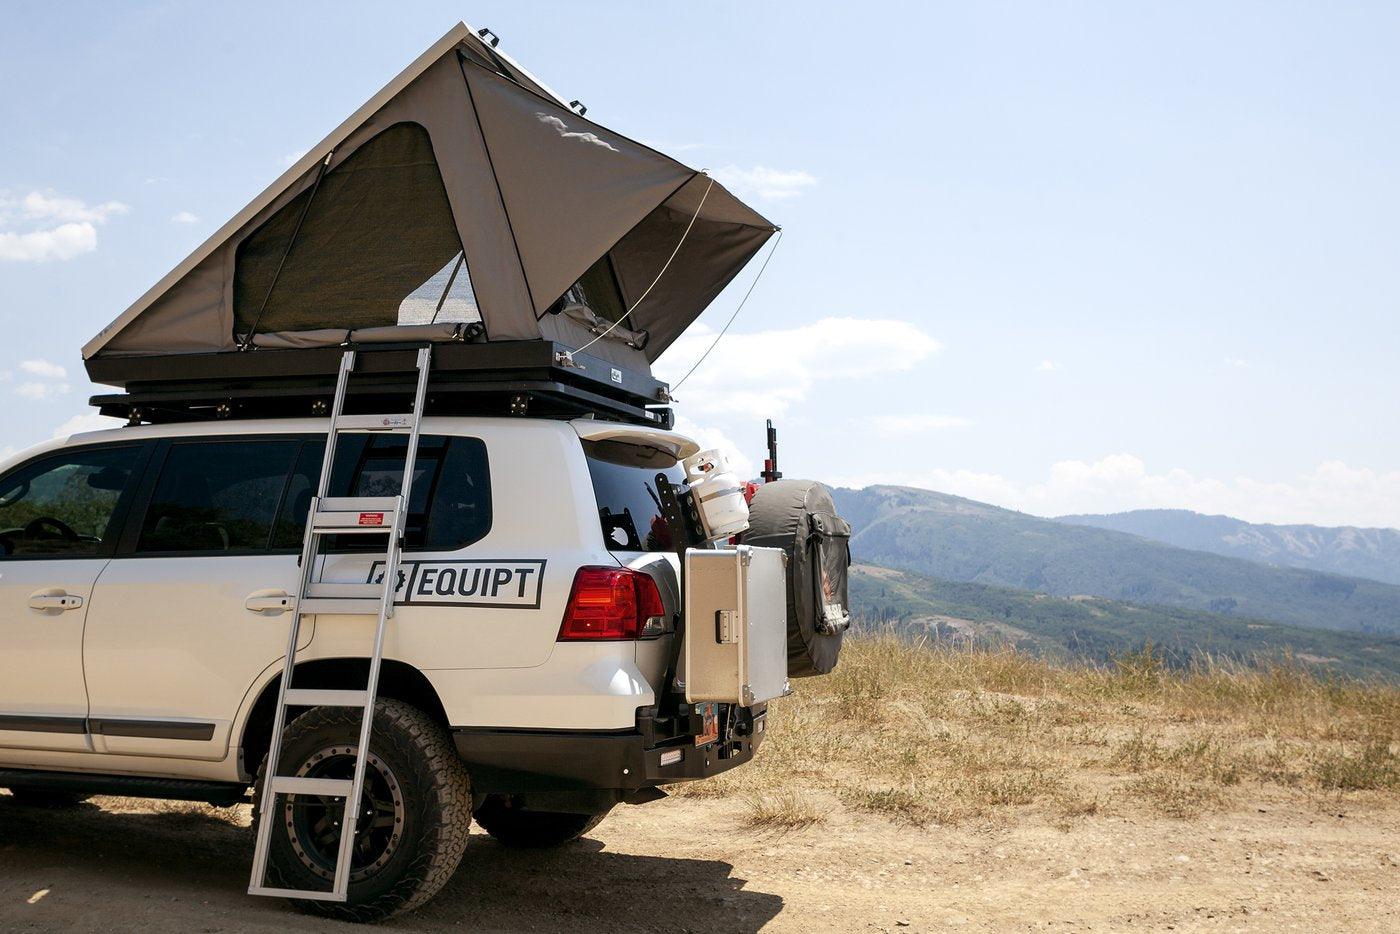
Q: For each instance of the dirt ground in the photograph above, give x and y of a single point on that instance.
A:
(689, 865)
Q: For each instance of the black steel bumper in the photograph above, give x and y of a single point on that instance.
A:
(585, 770)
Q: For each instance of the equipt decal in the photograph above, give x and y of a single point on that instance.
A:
(503, 584)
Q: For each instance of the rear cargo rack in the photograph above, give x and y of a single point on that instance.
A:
(520, 378)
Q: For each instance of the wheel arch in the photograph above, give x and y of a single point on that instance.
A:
(397, 680)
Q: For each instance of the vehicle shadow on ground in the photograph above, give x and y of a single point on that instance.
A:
(186, 869)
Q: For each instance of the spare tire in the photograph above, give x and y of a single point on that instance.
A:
(799, 517)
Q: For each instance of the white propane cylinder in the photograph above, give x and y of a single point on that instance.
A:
(718, 494)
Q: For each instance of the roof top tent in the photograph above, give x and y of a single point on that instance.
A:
(465, 205)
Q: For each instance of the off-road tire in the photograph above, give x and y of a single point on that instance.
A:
(47, 797)
(532, 829)
(436, 798)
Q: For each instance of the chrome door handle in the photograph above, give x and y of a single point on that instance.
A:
(54, 601)
(269, 603)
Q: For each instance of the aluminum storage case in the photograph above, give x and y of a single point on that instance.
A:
(735, 625)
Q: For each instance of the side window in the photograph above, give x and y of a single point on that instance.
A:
(624, 482)
(214, 495)
(449, 504)
(62, 506)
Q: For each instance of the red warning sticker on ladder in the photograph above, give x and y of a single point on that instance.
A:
(371, 518)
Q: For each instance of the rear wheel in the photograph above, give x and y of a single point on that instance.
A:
(47, 798)
(412, 820)
(532, 829)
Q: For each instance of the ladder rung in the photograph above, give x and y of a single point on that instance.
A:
(359, 503)
(339, 606)
(345, 591)
(393, 424)
(317, 697)
(367, 522)
(310, 896)
(299, 785)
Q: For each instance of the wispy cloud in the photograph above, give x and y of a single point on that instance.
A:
(1334, 493)
(1046, 366)
(765, 183)
(87, 421)
(43, 369)
(1237, 363)
(184, 217)
(45, 379)
(769, 371)
(42, 226)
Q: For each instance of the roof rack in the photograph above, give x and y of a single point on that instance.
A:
(519, 378)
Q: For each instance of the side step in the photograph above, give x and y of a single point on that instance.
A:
(219, 794)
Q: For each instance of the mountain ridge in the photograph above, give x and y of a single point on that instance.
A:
(961, 540)
(1353, 551)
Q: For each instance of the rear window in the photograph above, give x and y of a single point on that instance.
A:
(624, 482)
(449, 504)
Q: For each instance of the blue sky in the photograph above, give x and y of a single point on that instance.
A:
(1068, 257)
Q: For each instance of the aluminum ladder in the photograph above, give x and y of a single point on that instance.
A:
(340, 516)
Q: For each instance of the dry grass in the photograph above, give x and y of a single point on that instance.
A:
(934, 734)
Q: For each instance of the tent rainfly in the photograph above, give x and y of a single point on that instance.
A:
(465, 201)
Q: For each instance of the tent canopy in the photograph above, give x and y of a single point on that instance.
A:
(464, 200)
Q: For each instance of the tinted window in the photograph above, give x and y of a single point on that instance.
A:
(449, 504)
(62, 506)
(624, 482)
(217, 496)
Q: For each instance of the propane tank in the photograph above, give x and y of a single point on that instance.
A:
(718, 494)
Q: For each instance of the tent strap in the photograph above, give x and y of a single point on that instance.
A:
(742, 301)
(320, 174)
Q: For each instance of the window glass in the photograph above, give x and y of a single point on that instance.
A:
(215, 496)
(62, 506)
(624, 482)
(449, 503)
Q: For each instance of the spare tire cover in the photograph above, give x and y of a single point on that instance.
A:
(799, 517)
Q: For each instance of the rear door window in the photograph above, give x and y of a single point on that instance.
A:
(449, 502)
(217, 495)
(624, 483)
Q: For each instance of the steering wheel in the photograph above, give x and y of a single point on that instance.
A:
(37, 525)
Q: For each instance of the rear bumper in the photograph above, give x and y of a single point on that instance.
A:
(597, 768)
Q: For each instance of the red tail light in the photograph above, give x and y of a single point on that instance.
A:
(612, 604)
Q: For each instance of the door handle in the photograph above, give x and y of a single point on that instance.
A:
(54, 601)
(269, 602)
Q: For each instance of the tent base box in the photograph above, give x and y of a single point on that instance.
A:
(735, 646)
(499, 378)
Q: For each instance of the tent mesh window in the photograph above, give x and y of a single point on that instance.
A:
(598, 290)
(378, 247)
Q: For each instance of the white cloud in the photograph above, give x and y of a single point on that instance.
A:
(563, 130)
(917, 424)
(62, 242)
(43, 368)
(1331, 494)
(42, 226)
(1046, 366)
(762, 182)
(87, 421)
(1237, 363)
(763, 373)
(37, 390)
(40, 206)
(292, 158)
(184, 217)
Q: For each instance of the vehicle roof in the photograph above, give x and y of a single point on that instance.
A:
(675, 443)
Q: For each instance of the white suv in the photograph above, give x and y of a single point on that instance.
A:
(146, 574)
